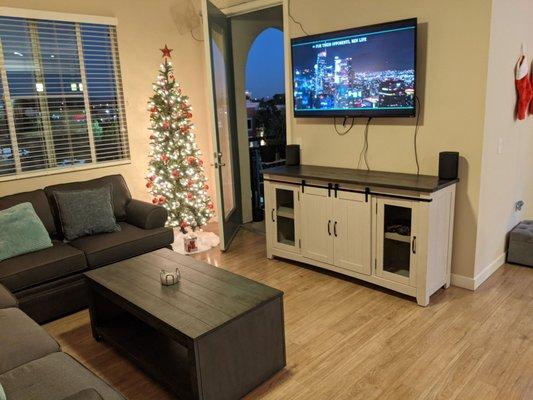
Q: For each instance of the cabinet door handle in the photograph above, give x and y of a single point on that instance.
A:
(414, 245)
(335, 228)
(272, 215)
(329, 227)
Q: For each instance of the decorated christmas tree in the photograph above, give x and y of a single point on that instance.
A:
(176, 177)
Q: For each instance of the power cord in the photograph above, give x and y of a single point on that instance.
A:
(293, 20)
(415, 138)
(364, 151)
(343, 125)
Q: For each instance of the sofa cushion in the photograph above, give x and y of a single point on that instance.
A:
(131, 241)
(22, 340)
(39, 202)
(121, 194)
(54, 376)
(35, 268)
(7, 300)
(86, 212)
(22, 231)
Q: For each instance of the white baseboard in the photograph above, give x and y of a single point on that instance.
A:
(490, 269)
(462, 281)
(473, 283)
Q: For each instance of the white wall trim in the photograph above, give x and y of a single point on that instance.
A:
(56, 16)
(473, 283)
(250, 6)
(490, 269)
(462, 281)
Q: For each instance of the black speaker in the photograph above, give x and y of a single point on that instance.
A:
(448, 165)
(293, 154)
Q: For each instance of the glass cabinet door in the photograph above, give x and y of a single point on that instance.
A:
(284, 216)
(396, 240)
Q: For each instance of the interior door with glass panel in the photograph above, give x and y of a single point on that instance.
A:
(396, 240)
(284, 214)
(219, 62)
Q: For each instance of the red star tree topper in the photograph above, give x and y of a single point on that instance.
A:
(176, 177)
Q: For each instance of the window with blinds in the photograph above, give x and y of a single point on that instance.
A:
(61, 100)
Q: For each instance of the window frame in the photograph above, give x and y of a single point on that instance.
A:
(77, 19)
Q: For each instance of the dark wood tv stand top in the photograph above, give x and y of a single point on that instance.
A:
(375, 179)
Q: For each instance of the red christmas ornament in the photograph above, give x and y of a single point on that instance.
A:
(210, 206)
(166, 125)
(175, 173)
(152, 178)
(189, 115)
(184, 128)
(162, 200)
(190, 183)
(201, 162)
(149, 184)
(191, 160)
(164, 158)
(184, 224)
(185, 107)
(155, 200)
(153, 109)
(206, 187)
(166, 52)
(152, 136)
(189, 196)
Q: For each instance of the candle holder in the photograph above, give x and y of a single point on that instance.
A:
(169, 278)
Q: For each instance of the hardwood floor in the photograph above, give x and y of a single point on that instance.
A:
(350, 340)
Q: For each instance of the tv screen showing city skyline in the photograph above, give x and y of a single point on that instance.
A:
(366, 71)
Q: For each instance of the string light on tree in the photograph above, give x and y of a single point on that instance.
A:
(176, 177)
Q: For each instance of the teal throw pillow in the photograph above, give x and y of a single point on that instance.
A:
(21, 231)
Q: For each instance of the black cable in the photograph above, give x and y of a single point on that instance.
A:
(415, 139)
(344, 125)
(364, 150)
(293, 20)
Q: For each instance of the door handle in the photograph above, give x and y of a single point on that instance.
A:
(329, 227)
(272, 215)
(335, 228)
(414, 245)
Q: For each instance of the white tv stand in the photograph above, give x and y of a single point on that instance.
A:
(393, 230)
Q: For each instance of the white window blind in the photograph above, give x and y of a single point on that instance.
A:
(61, 100)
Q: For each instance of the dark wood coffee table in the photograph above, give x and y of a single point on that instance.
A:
(214, 335)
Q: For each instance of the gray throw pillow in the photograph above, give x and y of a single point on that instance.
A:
(86, 212)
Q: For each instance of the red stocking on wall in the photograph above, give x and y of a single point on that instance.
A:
(531, 103)
(523, 87)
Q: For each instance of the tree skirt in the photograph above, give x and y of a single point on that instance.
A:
(206, 241)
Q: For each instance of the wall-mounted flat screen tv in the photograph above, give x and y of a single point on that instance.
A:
(361, 72)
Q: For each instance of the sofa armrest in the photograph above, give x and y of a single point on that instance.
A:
(7, 300)
(145, 215)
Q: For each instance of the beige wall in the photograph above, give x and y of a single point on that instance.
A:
(506, 178)
(143, 27)
(453, 54)
(245, 29)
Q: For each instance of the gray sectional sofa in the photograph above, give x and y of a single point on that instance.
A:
(49, 283)
(32, 365)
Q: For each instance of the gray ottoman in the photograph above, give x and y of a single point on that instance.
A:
(521, 244)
